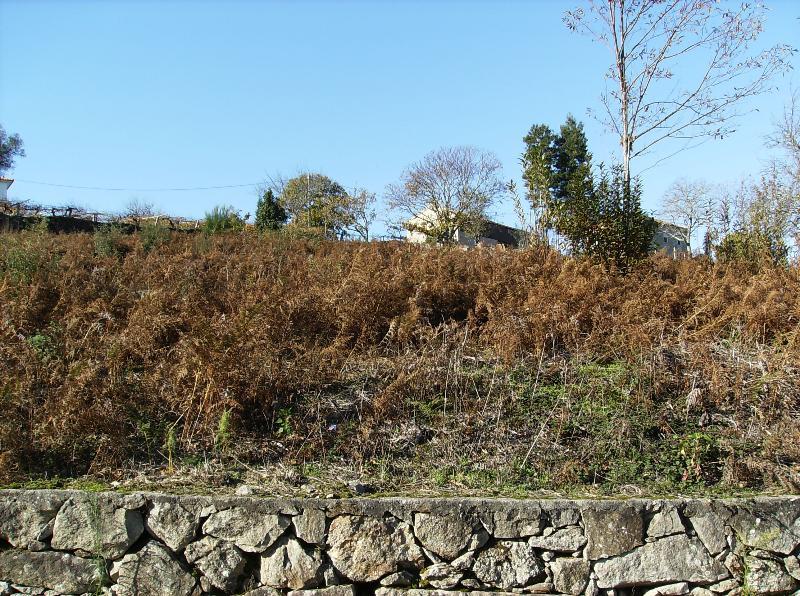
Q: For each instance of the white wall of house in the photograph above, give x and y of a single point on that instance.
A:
(5, 183)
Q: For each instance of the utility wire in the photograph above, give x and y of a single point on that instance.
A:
(138, 189)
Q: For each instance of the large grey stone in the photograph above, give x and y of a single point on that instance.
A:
(510, 523)
(562, 513)
(152, 571)
(570, 576)
(172, 524)
(26, 519)
(612, 528)
(677, 589)
(330, 591)
(401, 579)
(96, 524)
(508, 565)
(288, 565)
(219, 561)
(769, 525)
(668, 560)
(442, 576)
(263, 591)
(310, 526)
(709, 521)
(793, 566)
(365, 549)
(765, 576)
(569, 539)
(449, 535)
(251, 531)
(419, 592)
(665, 523)
(61, 572)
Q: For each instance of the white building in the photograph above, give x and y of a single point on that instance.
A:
(5, 183)
(492, 233)
(670, 239)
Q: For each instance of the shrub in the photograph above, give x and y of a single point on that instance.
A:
(270, 214)
(153, 235)
(753, 249)
(109, 241)
(222, 219)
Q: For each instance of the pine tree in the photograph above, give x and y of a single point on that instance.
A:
(600, 219)
(270, 214)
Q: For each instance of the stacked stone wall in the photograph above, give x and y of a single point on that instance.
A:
(69, 542)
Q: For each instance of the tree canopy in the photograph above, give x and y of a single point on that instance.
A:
(449, 189)
(11, 147)
(680, 69)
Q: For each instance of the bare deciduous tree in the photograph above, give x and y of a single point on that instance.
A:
(689, 205)
(360, 212)
(448, 190)
(138, 209)
(680, 68)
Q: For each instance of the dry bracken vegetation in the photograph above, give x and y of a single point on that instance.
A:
(411, 367)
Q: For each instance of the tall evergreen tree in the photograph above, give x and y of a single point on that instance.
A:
(270, 214)
(602, 219)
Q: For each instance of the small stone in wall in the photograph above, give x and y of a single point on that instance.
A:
(96, 524)
(768, 577)
(793, 566)
(677, 589)
(153, 571)
(172, 524)
(724, 586)
(310, 526)
(612, 529)
(540, 588)
(709, 521)
(564, 514)
(332, 591)
(465, 561)
(508, 565)
(567, 539)
(401, 579)
(449, 535)
(441, 576)
(570, 575)
(251, 531)
(517, 522)
(219, 561)
(288, 565)
(263, 591)
(364, 549)
(666, 522)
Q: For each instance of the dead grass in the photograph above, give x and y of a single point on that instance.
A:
(404, 365)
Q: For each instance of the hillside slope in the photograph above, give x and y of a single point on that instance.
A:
(408, 367)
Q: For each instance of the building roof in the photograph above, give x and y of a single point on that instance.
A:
(502, 233)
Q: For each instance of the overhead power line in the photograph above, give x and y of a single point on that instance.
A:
(137, 189)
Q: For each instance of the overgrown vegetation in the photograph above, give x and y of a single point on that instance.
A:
(405, 366)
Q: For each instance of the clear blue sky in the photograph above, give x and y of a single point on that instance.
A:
(195, 94)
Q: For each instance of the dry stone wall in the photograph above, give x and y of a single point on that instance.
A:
(69, 542)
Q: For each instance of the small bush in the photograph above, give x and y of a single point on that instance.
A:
(153, 235)
(222, 219)
(109, 241)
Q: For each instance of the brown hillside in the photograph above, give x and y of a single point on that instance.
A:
(402, 365)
